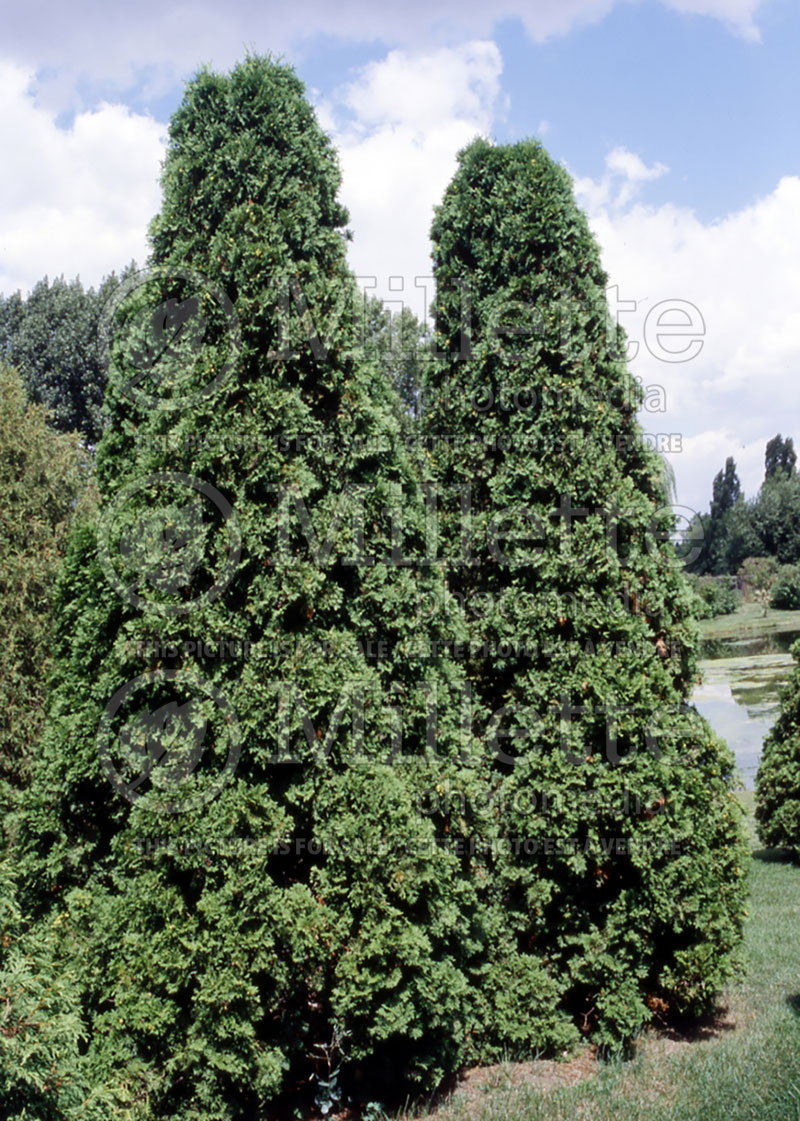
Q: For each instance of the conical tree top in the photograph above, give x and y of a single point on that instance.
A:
(248, 278)
(244, 141)
(530, 410)
(512, 251)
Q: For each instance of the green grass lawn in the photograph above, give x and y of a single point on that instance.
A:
(744, 1065)
(749, 621)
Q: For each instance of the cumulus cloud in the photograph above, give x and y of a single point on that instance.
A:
(407, 90)
(160, 44)
(625, 172)
(76, 200)
(734, 284)
(398, 128)
(739, 15)
(557, 17)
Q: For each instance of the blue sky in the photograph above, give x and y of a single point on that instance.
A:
(678, 120)
(721, 112)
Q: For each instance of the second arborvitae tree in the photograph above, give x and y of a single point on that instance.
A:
(618, 872)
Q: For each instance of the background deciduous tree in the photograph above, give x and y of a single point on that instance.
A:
(52, 337)
(766, 525)
(779, 457)
(43, 475)
(45, 488)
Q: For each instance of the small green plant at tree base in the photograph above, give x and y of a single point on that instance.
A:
(778, 775)
(330, 1094)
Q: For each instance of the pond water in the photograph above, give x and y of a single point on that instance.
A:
(739, 693)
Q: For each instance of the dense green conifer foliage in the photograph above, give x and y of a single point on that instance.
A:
(226, 819)
(778, 777)
(351, 776)
(554, 518)
(44, 489)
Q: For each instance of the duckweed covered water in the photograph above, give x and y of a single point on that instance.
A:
(739, 691)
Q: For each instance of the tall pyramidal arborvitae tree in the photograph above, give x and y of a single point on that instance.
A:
(224, 840)
(621, 879)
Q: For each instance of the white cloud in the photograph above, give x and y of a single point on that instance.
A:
(410, 90)
(77, 200)
(739, 15)
(742, 275)
(633, 167)
(161, 43)
(549, 18)
(625, 172)
(401, 123)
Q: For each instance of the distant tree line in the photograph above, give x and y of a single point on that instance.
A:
(767, 525)
(736, 530)
(53, 337)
